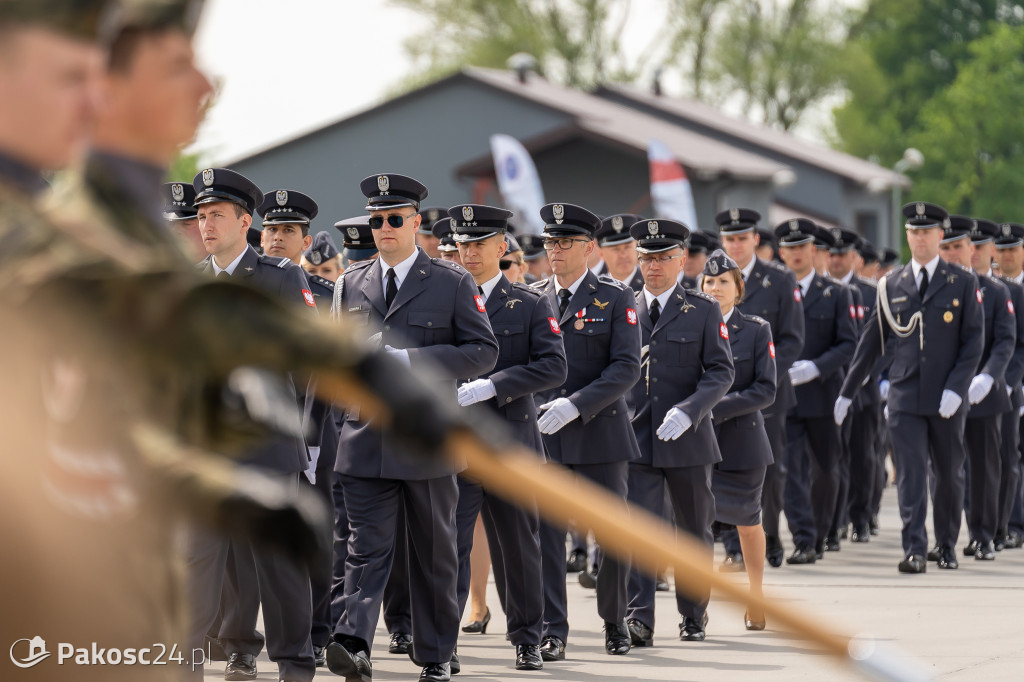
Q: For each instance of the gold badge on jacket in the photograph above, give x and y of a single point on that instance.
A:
(947, 317)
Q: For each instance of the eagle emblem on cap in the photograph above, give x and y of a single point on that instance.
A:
(353, 233)
(467, 213)
(208, 177)
(559, 212)
(652, 227)
(383, 184)
(713, 267)
(1006, 229)
(734, 214)
(316, 258)
(433, 215)
(617, 223)
(794, 225)
(282, 197)
(177, 192)
(920, 208)
(837, 233)
(946, 224)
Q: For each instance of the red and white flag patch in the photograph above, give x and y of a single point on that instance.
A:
(480, 303)
(1009, 306)
(860, 312)
(554, 325)
(630, 316)
(308, 295)
(853, 312)
(977, 293)
(796, 295)
(771, 349)
(723, 331)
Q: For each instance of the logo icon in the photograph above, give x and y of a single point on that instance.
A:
(617, 223)
(559, 212)
(652, 227)
(177, 192)
(467, 213)
(282, 197)
(794, 225)
(713, 267)
(383, 184)
(919, 208)
(36, 652)
(208, 177)
(316, 258)
(353, 233)
(734, 215)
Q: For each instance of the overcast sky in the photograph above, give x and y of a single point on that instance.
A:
(288, 66)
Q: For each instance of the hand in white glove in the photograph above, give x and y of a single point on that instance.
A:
(1020, 412)
(885, 412)
(476, 392)
(399, 354)
(980, 386)
(560, 412)
(841, 409)
(883, 388)
(1009, 391)
(949, 404)
(675, 424)
(803, 371)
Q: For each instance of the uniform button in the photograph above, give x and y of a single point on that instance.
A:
(508, 400)
(614, 411)
(590, 331)
(653, 344)
(506, 332)
(563, 391)
(654, 380)
(654, 399)
(387, 327)
(654, 361)
(430, 324)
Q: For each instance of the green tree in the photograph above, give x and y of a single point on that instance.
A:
(184, 168)
(972, 133)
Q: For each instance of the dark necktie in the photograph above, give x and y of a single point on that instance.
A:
(924, 283)
(392, 288)
(655, 311)
(481, 290)
(563, 301)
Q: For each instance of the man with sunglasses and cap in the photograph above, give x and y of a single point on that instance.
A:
(618, 250)
(426, 311)
(930, 319)
(771, 293)
(585, 421)
(1009, 255)
(225, 202)
(686, 371)
(531, 359)
(968, 243)
(830, 321)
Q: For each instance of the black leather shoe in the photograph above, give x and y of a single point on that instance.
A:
(1000, 542)
(436, 672)
(733, 563)
(639, 634)
(947, 558)
(802, 556)
(354, 666)
(318, 656)
(475, 627)
(588, 580)
(873, 525)
(528, 657)
(691, 631)
(215, 649)
(552, 649)
(240, 667)
(773, 552)
(1014, 540)
(860, 535)
(577, 561)
(971, 548)
(986, 552)
(914, 563)
(934, 553)
(819, 550)
(400, 643)
(616, 639)
(456, 663)
(831, 544)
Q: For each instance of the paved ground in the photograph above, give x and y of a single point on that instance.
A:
(960, 625)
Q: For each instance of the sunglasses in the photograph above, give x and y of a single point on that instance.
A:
(377, 221)
(506, 264)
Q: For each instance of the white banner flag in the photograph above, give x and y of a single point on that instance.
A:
(670, 188)
(518, 183)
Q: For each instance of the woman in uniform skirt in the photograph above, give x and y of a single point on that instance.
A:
(746, 452)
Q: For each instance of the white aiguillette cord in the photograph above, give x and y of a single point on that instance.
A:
(901, 330)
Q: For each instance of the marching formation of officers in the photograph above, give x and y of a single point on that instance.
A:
(689, 373)
(719, 399)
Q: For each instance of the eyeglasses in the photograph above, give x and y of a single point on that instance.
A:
(563, 243)
(506, 264)
(663, 260)
(377, 221)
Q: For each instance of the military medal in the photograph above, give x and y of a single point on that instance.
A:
(578, 324)
(947, 317)
(956, 302)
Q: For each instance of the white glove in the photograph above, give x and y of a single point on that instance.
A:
(399, 354)
(949, 404)
(980, 386)
(883, 388)
(476, 392)
(803, 371)
(675, 424)
(885, 412)
(841, 409)
(560, 412)
(314, 457)
(1009, 391)
(1020, 412)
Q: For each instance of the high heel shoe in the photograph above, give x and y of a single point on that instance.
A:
(753, 624)
(474, 627)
